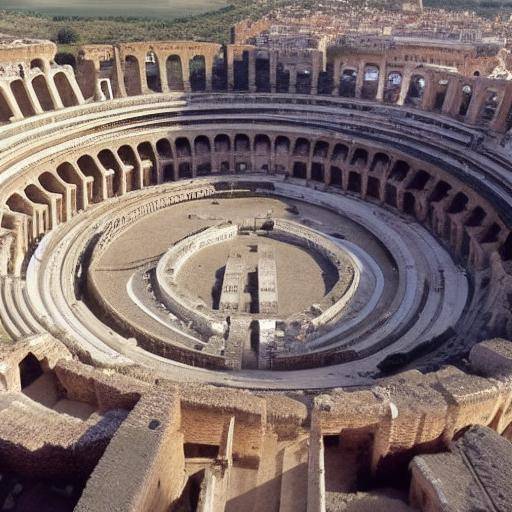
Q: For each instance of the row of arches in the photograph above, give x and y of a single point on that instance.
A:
(450, 212)
(42, 93)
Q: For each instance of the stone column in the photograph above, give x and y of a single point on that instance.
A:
(208, 67)
(230, 63)
(382, 81)
(34, 101)
(477, 100)
(336, 77)
(360, 79)
(406, 80)
(162, 71)
(54, 93)
(315, 72)
(429, 94)
(120, 89)
(451, 104)
(252, 70)
(185, 66)
(273, 70)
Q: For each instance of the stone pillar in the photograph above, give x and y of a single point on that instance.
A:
(252, 70)
(360, 79)
(162, 71)
(406, 80)
(451, 104)
(382, 81)
(315, 72)
(293, 81)
(120, 89)
(74, 85)
(141, 57)
(34, 101)
(230, 63)
(475, 105)
(185, 66)
(429, 94)
(336, 77)
(208, 66)
(499, 124)
(54, 93)
(273, 70)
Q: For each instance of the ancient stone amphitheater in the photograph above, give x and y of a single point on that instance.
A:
(255, 280)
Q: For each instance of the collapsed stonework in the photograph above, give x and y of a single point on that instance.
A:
(340, 361)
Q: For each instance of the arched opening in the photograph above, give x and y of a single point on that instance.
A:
(391, 195)
(282, 146)
(476, 218)
(174, 73)
(132, 76)
(370, 82)
(303, 83)
(69, 174)
(419, 181)
(440, 192)
(149, 163)
(262, 74)
(164, 149)
(321, 149)
(300, 170)
(301, 148)
(40, 87)
(262, 145)
(66, 93)
(467, 94)
(393, 87)
(442, 88)
(153, 72)
(202, 146)
(340, 153)
(359, 158)
(282, 78)
(197, 73)
(354, 182)
(39, 64)
(51, 183)
(109, 162)
(373, 187)
(458, 203)
(22, 99)
(219, 73)
(348, 83)
(5, 110)
(489, 107)
(183, 149)
(399, 171)
(242, 143)
(30, 370)
(380, 163)
(336, 177)
(491, 235)
(416, 90)
(89, 167)
(476, 73)
(222, 143)
(317, 171)
(409, 203)
(241, 72)
(132, 168)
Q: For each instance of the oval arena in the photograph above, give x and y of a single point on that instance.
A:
(251, 279)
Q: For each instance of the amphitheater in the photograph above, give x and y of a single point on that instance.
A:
(263, 280)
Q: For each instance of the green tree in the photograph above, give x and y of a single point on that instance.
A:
(67, 35)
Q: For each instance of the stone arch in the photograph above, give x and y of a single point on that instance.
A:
(164, 149)
(282, 145)
(153, 72)
(183, 148)
(174, 71)
(393, 87)
(399, 171)
(302, 147)
(69, 174)
(198, 73)
(149, 163)
(89, 167)
(109, 162)
(39, 64)
(370, 82)
(132, 167)
(359, 158)
(20, 94)
(348, 83)
(321, 149)
(132, 82)
(5, 110)
(42, 92)
(339, 153)
(222, 143)
(30, 370)
(416, 90)
(202, 146)
(262, 144)
(66, 93)
(242, 143)
(380, 163)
